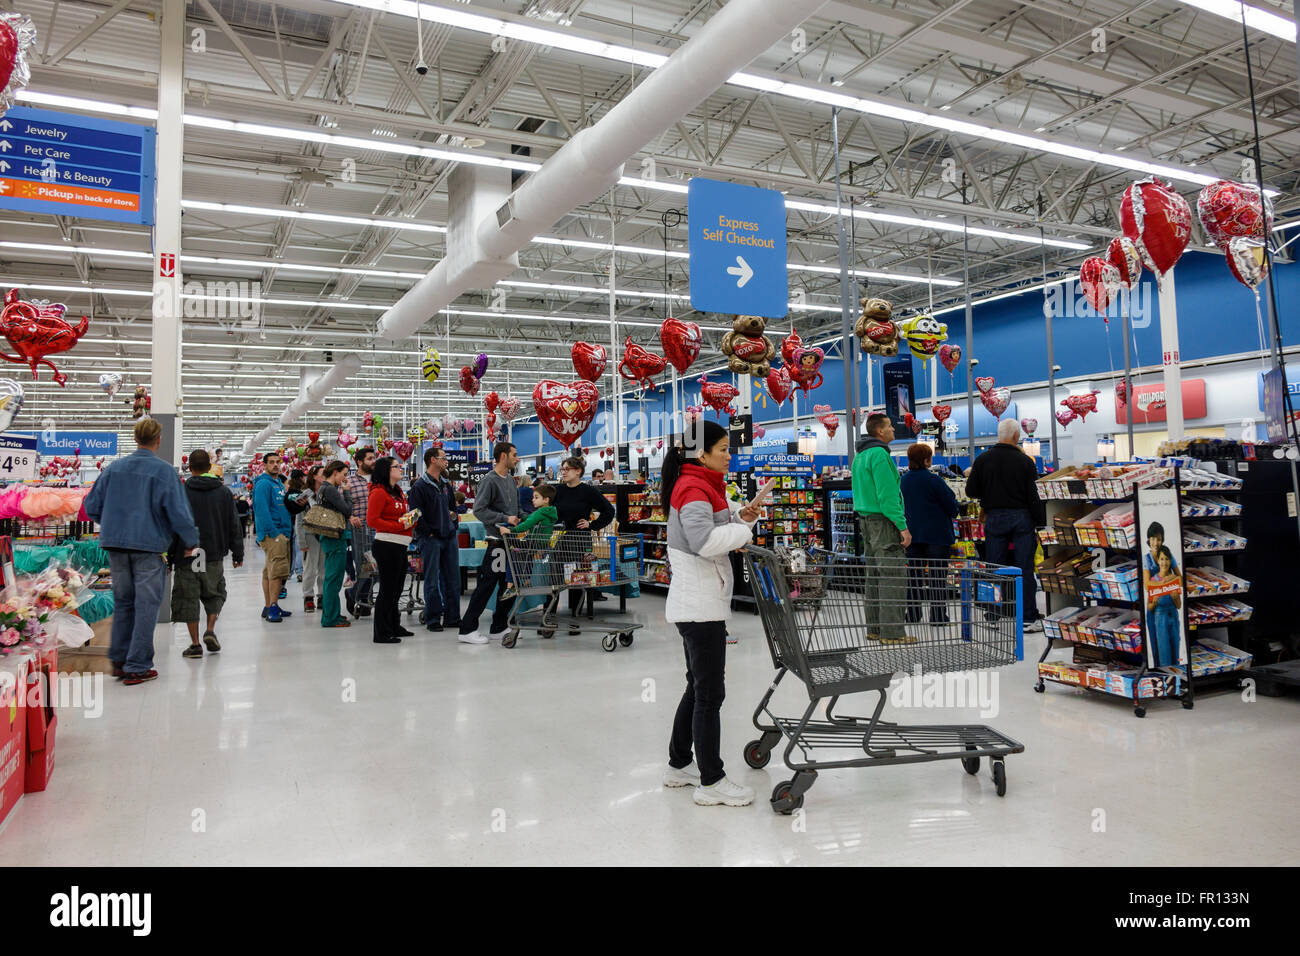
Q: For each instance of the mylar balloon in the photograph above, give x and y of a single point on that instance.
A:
(1247, 262)
(875, 327)
(1123, 255)
(1065, 416)
(639, 364)
(779, 385)
(1229, 210)
(924, 335)
(1121, 391)
(589, 360)
(368, 421)
(788, 346)
(416, 433)
(17, 38)
(490, 401)
(1099, 281)
(11, 402)
(344, 440)
(950, 356)
(940, 412)
(759, 431)
(508, 409)
(805, 370)
(480, 365)
(468, 380)
(1081, 405)
(717, 395)
(565, 411)
(681, 342)
(984, 383)
(1029, 426)
(996, 400)
(1159, 222)
(467, 425)
(110, 382)
(431, 366)
(402, 450)
(36, 329)
(828, 418)
(692, 413)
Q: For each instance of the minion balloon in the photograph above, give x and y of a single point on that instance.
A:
(431, 367)
(924, 335)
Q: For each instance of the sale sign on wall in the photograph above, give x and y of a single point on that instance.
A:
(1148, 403)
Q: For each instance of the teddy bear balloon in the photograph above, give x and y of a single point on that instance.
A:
(876, 329)
(748, 350)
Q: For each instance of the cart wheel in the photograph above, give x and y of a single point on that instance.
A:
(971, 764)
(1000, 777)
(609, 642)
(547, 634)
(510, 638)
(1039, 688)
(756, 756)
(1139, 711)
(421, 617)
(625, 638)
(781, 801)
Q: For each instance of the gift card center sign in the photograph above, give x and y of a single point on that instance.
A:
(738, 249)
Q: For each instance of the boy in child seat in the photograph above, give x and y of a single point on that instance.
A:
(535, 531)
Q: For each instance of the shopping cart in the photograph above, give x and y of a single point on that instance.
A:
(825, 616)
(414, 598)
(549, 566)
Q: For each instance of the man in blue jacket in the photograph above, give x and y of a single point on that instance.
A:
(436, 534)
(274, 526)
(139, 503)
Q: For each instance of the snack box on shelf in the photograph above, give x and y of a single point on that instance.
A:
(1052, 623)
(1231, 658)
(1091, 527)
(1202, 479)
(1204, 581)
(1113, 628)
(1212, 613)
(1119, 582)
(1063, 671)
(1063, 573)
(1199, 537)
(1075, 627)
(1157, 683)
(1200, 506)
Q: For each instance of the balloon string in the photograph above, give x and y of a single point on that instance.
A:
(1259, 325)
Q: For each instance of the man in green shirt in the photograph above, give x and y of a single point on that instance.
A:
(878, 501)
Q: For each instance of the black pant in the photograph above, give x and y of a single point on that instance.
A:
(491, 575)
(390, 559)
(1004, 527)
(699, 714)
(574, 544)
(926, 573)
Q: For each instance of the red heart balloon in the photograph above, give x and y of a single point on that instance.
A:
(8, 56)
(717, 395)
(788, 346)
(1123, 255)
(403, 449)
(1065, 416)
(639, 364)
(508, 408)
(940, 412)
(1159, 222)
(565, 411)
(996, 400)
(681, 342)
(491, 400)
(468, 381)
(984, 383)
(589, 360)
(910, 421)
(1100, 281)
(1081, 405)
(1229, 210)
(950, 356)
(1121, 392)
(779, 385)
(36, 331)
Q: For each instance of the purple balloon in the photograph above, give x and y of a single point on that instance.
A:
(480, 365)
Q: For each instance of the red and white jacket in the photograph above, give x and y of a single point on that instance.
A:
(703, 529)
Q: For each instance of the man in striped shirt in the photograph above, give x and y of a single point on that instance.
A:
(358, 492)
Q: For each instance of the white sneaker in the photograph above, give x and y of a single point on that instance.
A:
(1034, 627)
(475, 638)
(724, 793)
(687, 776)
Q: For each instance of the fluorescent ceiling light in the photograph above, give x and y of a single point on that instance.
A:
(941, 226)
(1265, 21)
(312, 216)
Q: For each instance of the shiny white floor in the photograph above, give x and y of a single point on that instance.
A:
(549, 754)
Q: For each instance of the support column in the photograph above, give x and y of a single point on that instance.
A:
(1169, 357)
(165, 390)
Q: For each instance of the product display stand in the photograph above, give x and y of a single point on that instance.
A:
(641, 512)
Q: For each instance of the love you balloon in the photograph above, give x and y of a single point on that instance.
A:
(1123, 255)
(1099, 281)
(36, 329)
(17, 38)
(717, 395)
(639, 364)
(1159, 222)
(431, 366)
(779, 385)
(996, 400)
(588, 360)
(950, 356)
(681, 342)
(940, 412)
(565, 410)
(468, 380)
(1229, 210)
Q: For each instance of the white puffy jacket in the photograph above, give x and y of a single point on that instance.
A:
(703, 530)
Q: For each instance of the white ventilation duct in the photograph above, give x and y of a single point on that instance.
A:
(585, 168)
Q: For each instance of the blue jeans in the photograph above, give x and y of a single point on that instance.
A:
(137, 595)
(441, 580)
(1004, 527)
(295, 555)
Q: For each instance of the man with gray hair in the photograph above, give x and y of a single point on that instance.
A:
(1004, 478)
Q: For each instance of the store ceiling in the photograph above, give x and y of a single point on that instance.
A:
(1170, 87)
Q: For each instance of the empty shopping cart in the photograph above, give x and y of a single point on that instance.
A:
(844, 624)
(547, 566)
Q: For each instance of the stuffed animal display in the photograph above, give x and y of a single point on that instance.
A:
(876, 328)
(748, 350)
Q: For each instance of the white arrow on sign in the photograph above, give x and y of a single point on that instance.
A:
(5, 125)
(4, 188)
(5, 146)
(741, 269)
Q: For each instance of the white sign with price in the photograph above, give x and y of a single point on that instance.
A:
(17, 457)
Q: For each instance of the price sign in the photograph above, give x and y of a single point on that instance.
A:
(17, 457)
